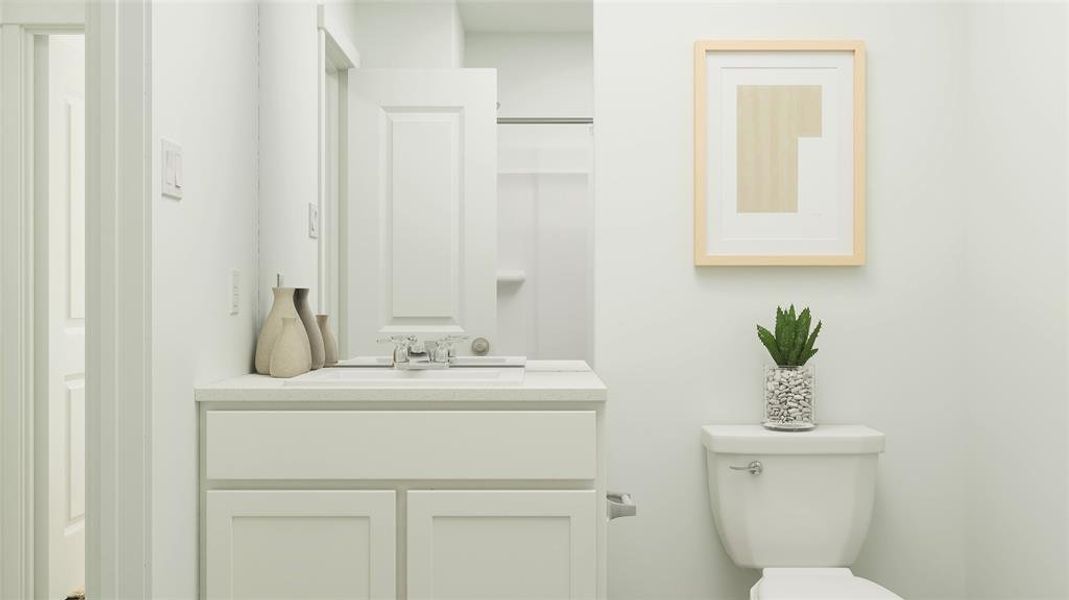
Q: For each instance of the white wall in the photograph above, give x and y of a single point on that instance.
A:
(419, 33)
(538, 74)
(204, 98)
(289, 138)
(1016, 351)
(235, 84)
(289, 144)
(676, 343)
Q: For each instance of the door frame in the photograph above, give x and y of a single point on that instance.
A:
(336, 52)
(118, 291)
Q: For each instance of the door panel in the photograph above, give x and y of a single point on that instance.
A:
(263, 545)
(502, 545)
(421, 228)
(61, 174)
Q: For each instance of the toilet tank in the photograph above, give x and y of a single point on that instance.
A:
(811, 502)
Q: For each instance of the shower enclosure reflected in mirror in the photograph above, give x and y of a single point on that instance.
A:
(544, 285)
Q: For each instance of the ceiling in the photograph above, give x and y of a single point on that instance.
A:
(527, 16)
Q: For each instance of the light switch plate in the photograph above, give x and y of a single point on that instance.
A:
(235, 291)
(313, 220)
(171, 163)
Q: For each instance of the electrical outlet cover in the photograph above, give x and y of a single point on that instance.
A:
(171, 163)
(313, 221)
(235, 291)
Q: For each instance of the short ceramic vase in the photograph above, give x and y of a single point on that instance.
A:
(291, 355)
(315, 338)
(330, 343)
(282, 308)
(789, 398)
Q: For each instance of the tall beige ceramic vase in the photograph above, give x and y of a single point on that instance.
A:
(291, 355)
(330, 343)
(272, 328)
(315, 339)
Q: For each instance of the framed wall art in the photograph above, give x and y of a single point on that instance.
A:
(779, 153)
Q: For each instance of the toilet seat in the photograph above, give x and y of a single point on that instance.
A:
(817, 584)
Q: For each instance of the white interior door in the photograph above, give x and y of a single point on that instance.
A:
(422, 211)
(502, 545)
(63, 422)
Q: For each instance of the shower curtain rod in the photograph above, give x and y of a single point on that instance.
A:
(545, 120)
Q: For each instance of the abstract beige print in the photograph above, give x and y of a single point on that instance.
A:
(771, 118)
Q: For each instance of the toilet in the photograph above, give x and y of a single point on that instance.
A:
(796, 505)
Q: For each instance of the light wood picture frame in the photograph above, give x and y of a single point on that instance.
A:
(779, 152)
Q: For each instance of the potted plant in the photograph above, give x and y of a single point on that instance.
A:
(789, 383)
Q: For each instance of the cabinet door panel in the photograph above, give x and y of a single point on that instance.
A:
(502, 545)
(300, 545)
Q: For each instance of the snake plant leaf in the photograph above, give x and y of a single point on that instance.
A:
(813, 337)
(792, 343)
(769, 342)
(785, 339)
(804, 320)
(781, 322)
(800, 338)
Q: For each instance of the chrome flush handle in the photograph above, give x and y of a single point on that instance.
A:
(755, 468)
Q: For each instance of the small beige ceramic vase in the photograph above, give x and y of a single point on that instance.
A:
(330, 343)
(315, 339)
(272, 328)
(291, 355)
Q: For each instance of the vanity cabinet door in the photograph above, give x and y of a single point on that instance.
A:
(502, 545)
(292, 545)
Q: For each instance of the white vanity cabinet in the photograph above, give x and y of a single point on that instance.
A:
(403, 493)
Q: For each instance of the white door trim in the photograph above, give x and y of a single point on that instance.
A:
(118, 298)
(20, 23)
(16, 313)
(118, 295)
(335, 52)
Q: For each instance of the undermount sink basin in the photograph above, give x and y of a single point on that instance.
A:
(390, 377)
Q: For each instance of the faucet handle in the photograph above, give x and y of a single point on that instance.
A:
(446, 347)
(401, 345)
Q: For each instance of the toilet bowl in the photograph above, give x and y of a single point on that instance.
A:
(796, 505)
(817, 584)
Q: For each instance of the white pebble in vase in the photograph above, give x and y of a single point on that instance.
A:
(789, 395)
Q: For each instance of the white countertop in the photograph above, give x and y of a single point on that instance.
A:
(543, 380)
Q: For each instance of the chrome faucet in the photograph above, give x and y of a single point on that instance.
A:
(409, 352)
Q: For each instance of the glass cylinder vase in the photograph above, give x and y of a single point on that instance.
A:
(789, 395)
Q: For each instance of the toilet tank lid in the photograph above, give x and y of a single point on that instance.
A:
(824, 439)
